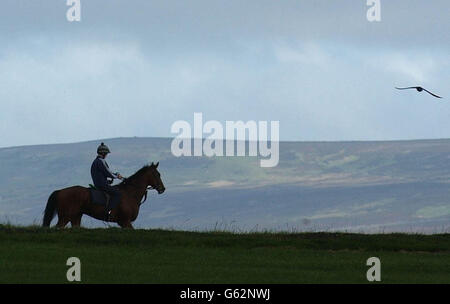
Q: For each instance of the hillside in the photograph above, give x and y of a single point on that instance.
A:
(38, 255)
(317, 186)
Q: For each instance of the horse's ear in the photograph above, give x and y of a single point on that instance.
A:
(157, 164)
(152, 164)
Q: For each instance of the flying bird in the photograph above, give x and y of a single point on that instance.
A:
(419, 89)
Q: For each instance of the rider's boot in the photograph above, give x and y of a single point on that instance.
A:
(107, 211)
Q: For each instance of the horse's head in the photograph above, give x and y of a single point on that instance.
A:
(154, 178)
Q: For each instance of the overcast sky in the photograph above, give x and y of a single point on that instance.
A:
(132, 68)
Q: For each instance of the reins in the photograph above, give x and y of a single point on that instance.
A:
(127, 183)
(145, 194)
(146, 191)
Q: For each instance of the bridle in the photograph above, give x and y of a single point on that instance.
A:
(157, 188)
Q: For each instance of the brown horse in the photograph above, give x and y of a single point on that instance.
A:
(71, 203)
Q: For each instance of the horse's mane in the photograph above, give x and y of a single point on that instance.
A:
(136, 176)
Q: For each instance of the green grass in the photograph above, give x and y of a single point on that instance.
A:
(38, 255)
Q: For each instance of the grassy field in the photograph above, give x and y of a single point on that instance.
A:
(38, 255)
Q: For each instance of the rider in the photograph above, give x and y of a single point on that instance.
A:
(100, 173)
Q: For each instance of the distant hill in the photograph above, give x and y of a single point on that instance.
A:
(317, 186)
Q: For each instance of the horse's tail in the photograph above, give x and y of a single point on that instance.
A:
(50, 209)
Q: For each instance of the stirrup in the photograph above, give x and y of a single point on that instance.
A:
(108, 216)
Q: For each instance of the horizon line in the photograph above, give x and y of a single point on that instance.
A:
(279, 141)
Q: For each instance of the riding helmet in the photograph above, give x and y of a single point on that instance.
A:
(103, 149)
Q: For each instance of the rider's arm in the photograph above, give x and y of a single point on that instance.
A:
(106, 170)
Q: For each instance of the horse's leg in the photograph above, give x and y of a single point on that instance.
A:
(62, 222)
(76, 221)
(79, 206)
(69, 206)
(125, 224)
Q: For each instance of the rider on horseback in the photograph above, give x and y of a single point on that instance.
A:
(100, 173)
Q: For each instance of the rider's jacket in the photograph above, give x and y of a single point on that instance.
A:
(100, 172)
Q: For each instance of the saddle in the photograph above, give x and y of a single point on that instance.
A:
(98, 197)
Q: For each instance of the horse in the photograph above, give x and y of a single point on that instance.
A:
(72, 203)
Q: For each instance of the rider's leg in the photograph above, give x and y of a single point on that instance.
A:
(113, 201)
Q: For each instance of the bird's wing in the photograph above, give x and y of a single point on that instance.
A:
(406, 88)
(432, 93)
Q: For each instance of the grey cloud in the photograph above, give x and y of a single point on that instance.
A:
(195, 22)
(319, 67)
